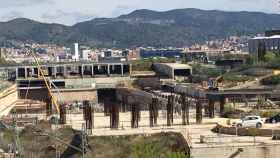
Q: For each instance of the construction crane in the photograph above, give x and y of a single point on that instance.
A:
(41, 74)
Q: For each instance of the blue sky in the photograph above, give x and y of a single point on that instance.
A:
(70, 12)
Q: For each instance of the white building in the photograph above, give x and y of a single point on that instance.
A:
(86, 54)
(76, 55)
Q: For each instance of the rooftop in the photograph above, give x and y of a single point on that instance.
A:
(177, 65)
(270, 37)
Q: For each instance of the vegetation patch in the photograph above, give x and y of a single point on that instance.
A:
(162, 145)
(236, 77)
(230, 112)
(198, 69)
(146, 64)
(40, 142)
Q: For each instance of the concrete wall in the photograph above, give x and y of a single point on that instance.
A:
(71, 96)
(226, 152)
(8, 99)
(91, 82)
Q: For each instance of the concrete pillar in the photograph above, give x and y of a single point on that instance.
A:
(32, 71)
(25, 72)
(222, 105)
(198, 112)
(173, 74)
(65, 71)
(55, 71)
(108, 69)
(92, 70)
(122, 69)
(16, 73)
(184, 106)
(82, 70)
(211, 106)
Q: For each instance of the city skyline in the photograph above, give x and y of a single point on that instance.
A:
(70, 12)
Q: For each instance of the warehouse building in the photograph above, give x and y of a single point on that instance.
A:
(260, 45)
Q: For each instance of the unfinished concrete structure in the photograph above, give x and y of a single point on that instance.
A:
(172, 70)
(70, 69)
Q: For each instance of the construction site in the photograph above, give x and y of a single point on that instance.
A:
(43, 115)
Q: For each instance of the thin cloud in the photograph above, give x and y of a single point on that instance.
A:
(72, 11)
(23, 3)
(12, 15)
(69, 17)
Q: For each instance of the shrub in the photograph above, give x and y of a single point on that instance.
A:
(235, 77)
(209, 72)
(268, 113)
(230, 112)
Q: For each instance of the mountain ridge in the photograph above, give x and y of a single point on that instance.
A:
(178, 28)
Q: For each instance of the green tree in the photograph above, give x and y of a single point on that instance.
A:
(270, 57)
(250, 60)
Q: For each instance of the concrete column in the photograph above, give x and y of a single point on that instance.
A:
(16, 73)
(173, 74)
(211, 106)
(64, 71)
(198, 112)
(32, 71)
(82, 70)
(92, 70)
(122, 69)
(222, 105)
(108, 69)
(55, 71)
(25, 72)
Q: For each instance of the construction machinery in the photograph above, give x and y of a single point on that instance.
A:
(41, 74)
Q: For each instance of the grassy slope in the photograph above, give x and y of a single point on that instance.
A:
(162, 145)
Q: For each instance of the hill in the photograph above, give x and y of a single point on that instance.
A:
(180, 27)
